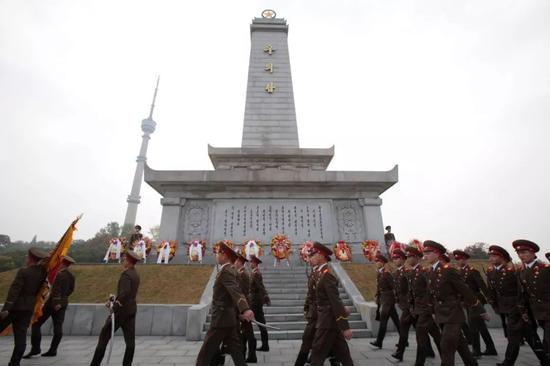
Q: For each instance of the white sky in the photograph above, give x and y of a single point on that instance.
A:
(455, 92)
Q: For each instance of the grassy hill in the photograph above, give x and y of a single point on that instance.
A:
(159, 284)
(364, 275)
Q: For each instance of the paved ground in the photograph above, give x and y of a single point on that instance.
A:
(176, 351)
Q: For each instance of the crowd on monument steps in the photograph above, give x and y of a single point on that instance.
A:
(445, 303)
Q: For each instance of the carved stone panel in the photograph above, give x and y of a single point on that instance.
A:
(196, 220)
(349, 217)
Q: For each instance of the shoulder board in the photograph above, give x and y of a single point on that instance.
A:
(325, 270)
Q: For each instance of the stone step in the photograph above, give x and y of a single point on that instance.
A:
(284, 303)
(294, 290)
(355, 324)
(298, 317)
(297, 334)
(274, 296)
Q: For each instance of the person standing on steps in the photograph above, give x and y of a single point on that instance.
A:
(246, 331)
(259, 297)
(124, 309)
(385, 299)
(421, 308)
(228, 306)
(19, 305)
(448, 294)
(55, 307)
(476, 325)
(332, 327)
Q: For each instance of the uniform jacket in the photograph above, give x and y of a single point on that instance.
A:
(258, 295)
(24, 288)
(331, 312)
(244, 281)
(127, 289)
(227, 298)
(401, 287)
(535, 282)
(419, 294)
(473, 279)
(62, 288)
(448, 291)
(310, 305)
(504, 289)
(384, 288)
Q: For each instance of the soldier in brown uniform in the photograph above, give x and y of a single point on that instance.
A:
(385, 299)
(401, 290)
(332, 327)
(535, 280)
(258, 297)
(503, 295)
(448, 291)
(227, 302)
(310, 314)
(421, 308)
(124, 309)
(19, 305)
(476, 325)
(62, 288)
(246, 331)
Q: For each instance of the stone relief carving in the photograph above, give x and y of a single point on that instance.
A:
(196, 220)
(350, 220)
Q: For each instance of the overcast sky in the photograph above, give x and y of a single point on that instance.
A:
(454, 92)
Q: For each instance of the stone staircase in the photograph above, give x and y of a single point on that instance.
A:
(287, 288)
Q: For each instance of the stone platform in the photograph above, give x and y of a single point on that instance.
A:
(76, 351)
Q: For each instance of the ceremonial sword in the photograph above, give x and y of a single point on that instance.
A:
(111, 303)
(264, 325)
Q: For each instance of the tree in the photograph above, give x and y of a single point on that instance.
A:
(111, 229)
(477, 250)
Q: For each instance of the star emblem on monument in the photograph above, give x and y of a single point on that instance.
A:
(269, 14)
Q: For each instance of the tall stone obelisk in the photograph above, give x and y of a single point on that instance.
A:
(148, 127)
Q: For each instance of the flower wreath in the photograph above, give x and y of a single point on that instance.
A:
(342, 251)
(203, 249)
(173, 248)
(275, 243)
(304, 250)
(258, 245)
(370, 249)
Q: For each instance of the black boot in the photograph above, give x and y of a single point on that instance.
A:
(398, 356)
(33, 352)
(301, 359)
(252, 352)
(265, 343)
(333, 361)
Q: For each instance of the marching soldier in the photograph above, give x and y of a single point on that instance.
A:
(247, 333)
(421, 308)
(227, 300)
(258, 298)
(332, 327)
(310, 314)
(401, 290)
(477, 326)
(62, 288)
(19, 305)
(385, 299)
(124, 309)
(447, 292)
(535, 280)
(504, 292)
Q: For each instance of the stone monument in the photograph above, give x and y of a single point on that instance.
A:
(270, 185)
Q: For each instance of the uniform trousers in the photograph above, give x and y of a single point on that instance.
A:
(211, 346)
(477, 327)
(20, 322)
(518, 330)
(329, 341)
(387, 311)
(453, 341)
(57, 319)
(128, 325)
(426, 327)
